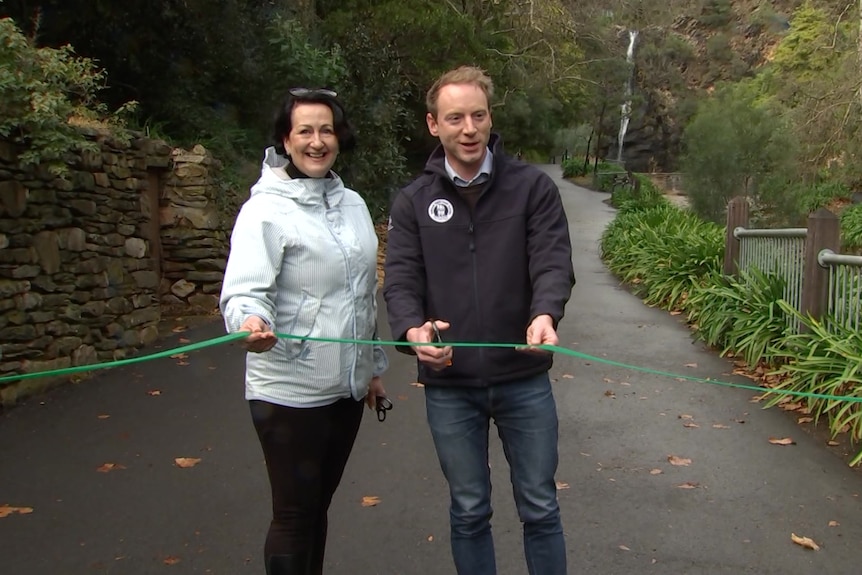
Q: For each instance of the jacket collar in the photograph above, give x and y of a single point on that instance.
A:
(307, 191)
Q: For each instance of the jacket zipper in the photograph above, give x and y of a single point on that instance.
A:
(476, 294)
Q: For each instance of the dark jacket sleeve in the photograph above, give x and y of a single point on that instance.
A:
(404, 271)
(549, 250)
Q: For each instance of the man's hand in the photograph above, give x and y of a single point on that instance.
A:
(261, 338)
(541, 332)
(432, 356)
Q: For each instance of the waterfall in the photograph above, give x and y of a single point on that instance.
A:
(627, 103)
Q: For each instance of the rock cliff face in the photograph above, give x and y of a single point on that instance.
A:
(677, 66)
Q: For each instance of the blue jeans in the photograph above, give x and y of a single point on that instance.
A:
(525, 414)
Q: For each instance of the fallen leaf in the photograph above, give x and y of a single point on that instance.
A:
(676, 312)
(6, 510)
(184, 340)
(686, 416)
(656, 472)
(610, 393)
(688, 485)
(781, 441)
(607, 380)
(720, 426)
(180, 329)
(833, 524)
(107, 467)
(370, 500)
(182, 363)
(561, 485)
(417, 384)
(627, 384)
(103, 416)
(170, 560)
(691, 365)
(791, 406)
(690, 424)
(402, 398)
(180, 356)
(568, 376)
(832, 443)
(186, 462)
(430, 538)
(674, 460)
(154, 392)
(802, 420)
(806, 542)
(624, 548)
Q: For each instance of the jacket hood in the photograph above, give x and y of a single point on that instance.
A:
(310, 191)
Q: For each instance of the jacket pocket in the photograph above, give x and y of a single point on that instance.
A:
(302, 325)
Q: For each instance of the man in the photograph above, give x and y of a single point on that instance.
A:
(478, 250)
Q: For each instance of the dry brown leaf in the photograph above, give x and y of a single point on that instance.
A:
(417, 384)
(568, 376)
(806, 542)
(656, 472)
(430, 538)
(676, 312)
(720, 426)
(691, 365)
(107, 467)
(561, 485)
(184, 340)
(624, 548)
(6, 510)
(103, 416)
(186, 462)
(802, 420)
(686, 416)
(607, 380)
(370, 500)
(688, 485)
(678, 461)
(791, 406)
(610, 393)
(171, 560)
(781, 441)
(180, 356)
(832, 443)
(154, 392)
(690, 424)
(180, 329)
(833, 524)
(627, 384)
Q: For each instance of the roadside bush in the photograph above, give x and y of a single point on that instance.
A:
(740, 315)
(642, 194)
(43, 92)
(663, 252)
(825, 358)
(851, 227)
(574, 168)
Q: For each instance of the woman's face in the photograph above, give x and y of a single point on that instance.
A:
(311, 143)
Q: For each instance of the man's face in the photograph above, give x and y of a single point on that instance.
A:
(463, 125)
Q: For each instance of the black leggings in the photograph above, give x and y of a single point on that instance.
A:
(306, 450)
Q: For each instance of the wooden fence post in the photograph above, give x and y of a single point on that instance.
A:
(737, 216)
(824, 232)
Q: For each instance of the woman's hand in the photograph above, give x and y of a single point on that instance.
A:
(375, 389)
(261, 337)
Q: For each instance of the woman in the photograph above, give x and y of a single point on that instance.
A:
(303, 261)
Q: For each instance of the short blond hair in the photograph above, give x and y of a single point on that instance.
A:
(461, 75)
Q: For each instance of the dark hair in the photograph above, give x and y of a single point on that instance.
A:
(294, 96)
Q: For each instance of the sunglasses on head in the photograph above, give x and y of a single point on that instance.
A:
(311, 92)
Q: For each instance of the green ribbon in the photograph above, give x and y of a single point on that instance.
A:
(544, 347)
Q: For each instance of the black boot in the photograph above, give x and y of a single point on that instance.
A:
(294, 564)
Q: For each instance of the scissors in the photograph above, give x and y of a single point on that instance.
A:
(383, 405)
(438, 339)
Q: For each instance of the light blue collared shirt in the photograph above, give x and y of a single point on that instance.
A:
(483, 176)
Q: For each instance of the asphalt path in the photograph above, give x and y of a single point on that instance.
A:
(95, 462)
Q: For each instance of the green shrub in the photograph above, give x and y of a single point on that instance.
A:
(574, 168)
(741, 315)
(851, 227)
(825, 358)
(43, 92)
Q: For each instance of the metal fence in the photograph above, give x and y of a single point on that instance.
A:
(818, 280)
(780, 252)
(845, 287)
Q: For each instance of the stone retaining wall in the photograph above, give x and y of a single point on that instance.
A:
(91, 261)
